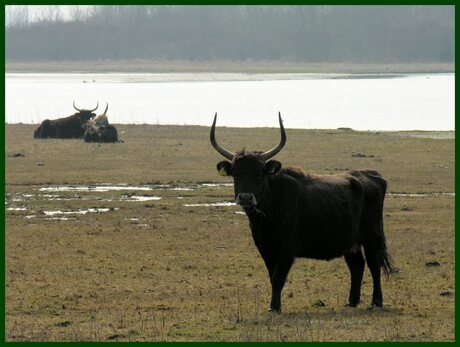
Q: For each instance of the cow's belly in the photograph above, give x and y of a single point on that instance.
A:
(327, 243)
(323, 253)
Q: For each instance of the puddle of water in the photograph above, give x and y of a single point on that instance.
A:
(90, 210)
(105, 187)
(51, 196)
(211, 204)
(31, 216)
(217, 184)
(98, 188)
(417, 195)
(240, 212)
(16, 209)
(140, 198)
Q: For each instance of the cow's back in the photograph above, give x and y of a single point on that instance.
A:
(69, 127)
(330, 210)
(375, 187)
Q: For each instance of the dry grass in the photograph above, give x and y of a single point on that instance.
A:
(162, 271)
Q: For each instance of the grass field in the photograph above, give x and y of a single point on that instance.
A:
(137, 241)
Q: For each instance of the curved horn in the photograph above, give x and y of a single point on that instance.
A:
(76, 107)
(275, 150)
(97, 105)
(87, 110)
(227, 154)
(106, 108)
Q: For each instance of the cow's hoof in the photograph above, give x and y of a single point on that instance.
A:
(377, 304)
(274, 310)
(352, 304)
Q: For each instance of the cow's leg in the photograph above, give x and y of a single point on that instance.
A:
(278, 278)
(270, 265)
(355, 262)
(374, 266)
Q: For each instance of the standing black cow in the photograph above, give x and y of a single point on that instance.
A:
(65, 128)
(292, 215)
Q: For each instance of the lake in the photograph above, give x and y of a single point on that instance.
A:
(309, 101)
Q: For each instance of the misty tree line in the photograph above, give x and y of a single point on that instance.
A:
(372, 34)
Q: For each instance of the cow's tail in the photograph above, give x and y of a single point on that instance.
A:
(385, 260)
(377, 236)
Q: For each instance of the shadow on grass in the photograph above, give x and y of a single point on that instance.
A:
(324, 314)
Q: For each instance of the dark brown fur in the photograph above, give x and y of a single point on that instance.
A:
(64, 128)
(296, 215)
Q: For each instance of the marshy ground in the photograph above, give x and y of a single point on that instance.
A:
(140, 241)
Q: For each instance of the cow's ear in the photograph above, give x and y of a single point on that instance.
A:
(272, 166)
(224, 168)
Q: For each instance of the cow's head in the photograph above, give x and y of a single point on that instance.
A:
(100, 119)
(250, 170)
(85, 115)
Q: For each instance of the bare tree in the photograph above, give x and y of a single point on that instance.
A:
(359, 34)
(17, 16)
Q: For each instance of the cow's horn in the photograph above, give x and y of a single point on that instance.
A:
(97, 105)
(227, 154)
(75, 107)
(84, 110)
(106, 108)
(271, 153)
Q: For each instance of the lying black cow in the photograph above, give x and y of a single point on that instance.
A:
(292, 215)
(65, 128)
(100, 133)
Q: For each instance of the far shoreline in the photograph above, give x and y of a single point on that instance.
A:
(249, 67)
(415, 133)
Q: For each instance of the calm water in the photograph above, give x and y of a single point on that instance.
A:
(361, 102)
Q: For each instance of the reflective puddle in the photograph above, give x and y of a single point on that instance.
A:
(17, 203)
(104, 192)
(106, 187)
(81, 211)
(140, 198)
(419, 195)
(225, 203)
(93, 188)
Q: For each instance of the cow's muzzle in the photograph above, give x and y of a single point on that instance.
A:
(246, 200)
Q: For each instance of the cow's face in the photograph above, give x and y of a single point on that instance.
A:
(85, 115)
(250, 175)
(250, 170)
